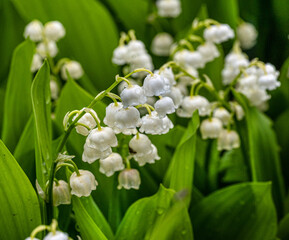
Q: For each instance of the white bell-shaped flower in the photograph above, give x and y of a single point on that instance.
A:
(161, 44)
(268, 82)
(34, 30)
(111, 164)
(222, 114)
(153, 124)
(44, 49)
(192, 103)
(86, 119)
(133, 95)
(56, 236)
(209, 51)
(140, 144)
(136, 46)
(120, 55)
(247, 82)
(36, 62)
(168, 74)
(228, 74)
(237, 60)
(211, 128)
(149, 157)
(129, 178)
(270, 69)
(195, 60)
(74, 69)
(54, 89)
(247, 35)
(176, 95)
(141, 61)
(126, 120)
(228, 140)
(218, 33)
(156, 85)
(169, 8)
(82, 185)
(54, 30)
(164, 106)
(124, 85)
(239, 111)
(61, 193)
(188, 80)
(110, 112)
(101, 139)
(90, 154)
(256, 95)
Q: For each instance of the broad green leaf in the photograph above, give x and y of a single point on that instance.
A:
(25, 150)
(96, 215)
(19, 204)
(88, 227)
(40, 93)
(90, 37)
(146, 214)
(242, 211)
(283, 229)
(181, 170)
(17, 106)
(261, 144)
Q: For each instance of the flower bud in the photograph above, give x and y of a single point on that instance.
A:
(74, 69)
(208, 51)
(133, 95)
(40, 192)
(148, 157)
(111, 164)
(228, 140)
(110, 113)
(156, 85)
(56, 236)
(247, 35)
(34, 31)
(161, 44)
(129, 178)
(44, 49)
(192, 103)
(168, 74)
(61, 193)
(90, 154)
(239, 111)
(101, 139)
(169, 8)
(86, 119)
(83, 184)
(164, 106)
(120, 55)
(211, 128)
(54, 30)
(218, 33)
(222, 114)
(140, 144)
(36, 62)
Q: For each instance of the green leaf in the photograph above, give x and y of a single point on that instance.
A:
(17, 108)
(283, 229)
(91, 34)
(88, 227)
(181, 170)
(147, 215)
(242, 211)
(19, 204)
(40, 93)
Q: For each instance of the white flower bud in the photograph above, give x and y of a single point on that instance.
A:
(124, 85)
(239, 111)
(192, 103)
(54, 30)
(228, 140)
(54, 89)
(44, 49)
(164, 106)
(111, 164)
(218, 33)
(136, 46)
(61, 193)
(101, 139)
(129, 178)
(152, 124)
(161, 44)
(211, 128)
(149, 157)
(33, 30)
(156, 85)
(74, 69)
(140, 144)
(195, 60)
(169, 8)
(133, 95)
(40, 192)
(83, 184)
(247, 35)
(110, 112)
(176, 95)
(90, 155)
(208, 51)
(56, 236)
(126, 120)
(268, 82)
(36, 62)
(222, 114)
(168, 74)
(86, 119)
(120, 55)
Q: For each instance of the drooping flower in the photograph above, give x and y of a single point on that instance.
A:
(82, 185)
(111, 164)
(129, 178)
(211, 128)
